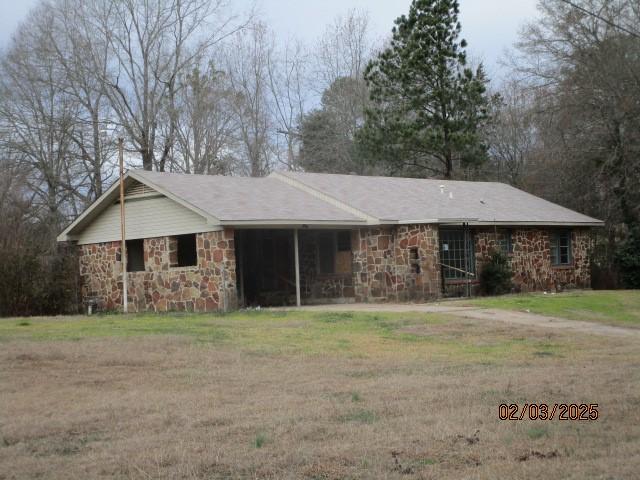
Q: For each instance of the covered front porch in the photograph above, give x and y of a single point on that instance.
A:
(284, 266)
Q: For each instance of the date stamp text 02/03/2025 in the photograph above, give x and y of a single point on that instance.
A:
(545, 411)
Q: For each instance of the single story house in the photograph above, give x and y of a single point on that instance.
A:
(203, 243)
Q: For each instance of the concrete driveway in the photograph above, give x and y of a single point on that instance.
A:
(477, 313)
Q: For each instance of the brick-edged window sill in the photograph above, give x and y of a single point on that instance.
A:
(190, 268)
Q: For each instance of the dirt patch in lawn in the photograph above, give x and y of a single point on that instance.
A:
(520, 318)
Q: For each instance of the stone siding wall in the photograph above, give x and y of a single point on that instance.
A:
(209, 285)
(373, 265)
(396, 264)
(531, 258)
(399, 263)
(387, 264)
(417, 262)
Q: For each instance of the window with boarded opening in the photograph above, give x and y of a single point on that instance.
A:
(343, 254)
(187, 252)
(334, 252)
(135, 255)
(561, 248)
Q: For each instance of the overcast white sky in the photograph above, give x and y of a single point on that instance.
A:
(489, 26)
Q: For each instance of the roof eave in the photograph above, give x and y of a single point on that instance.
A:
(594, 223)
(296, 223)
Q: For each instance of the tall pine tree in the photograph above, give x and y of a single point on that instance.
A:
(427, 104)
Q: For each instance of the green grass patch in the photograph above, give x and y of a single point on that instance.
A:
(543, 353)
(334, 317)
(535, 433)
(359, 416)
(613, 307)
(354, 335)
(260, 440)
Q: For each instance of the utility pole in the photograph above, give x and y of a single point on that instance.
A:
(123, 242)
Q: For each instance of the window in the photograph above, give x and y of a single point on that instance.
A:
(135, 255)
(452, 254)
(414, 260)
(504, 242)
(326, 252)
(561, 248)
(187, 253)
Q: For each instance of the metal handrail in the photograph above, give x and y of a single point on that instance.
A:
(456, 269)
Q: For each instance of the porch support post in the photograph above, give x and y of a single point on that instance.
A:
(240, 266)
(297, 263)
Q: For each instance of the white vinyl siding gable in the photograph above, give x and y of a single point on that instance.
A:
(145, 218)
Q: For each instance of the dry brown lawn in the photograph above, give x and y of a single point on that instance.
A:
(401, 396)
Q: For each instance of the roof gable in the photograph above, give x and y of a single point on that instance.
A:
(135, 188)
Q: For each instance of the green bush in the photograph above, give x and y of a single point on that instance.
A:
(496, 274)
(627, 259)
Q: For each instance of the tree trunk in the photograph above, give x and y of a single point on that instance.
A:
(97, 154)
(448, 166)
(147, 158)
(165, 154)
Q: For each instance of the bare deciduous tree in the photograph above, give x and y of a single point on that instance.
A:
(511, 135)
(149, 45)
(247, 65)
(207, 126)
(587, 71)
(39, 117)
(288, 74)
(92, 137)
(344, 50)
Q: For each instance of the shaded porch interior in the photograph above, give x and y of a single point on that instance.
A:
(266, 266)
